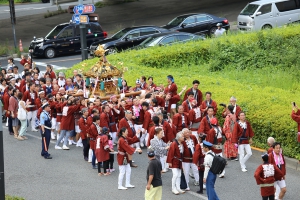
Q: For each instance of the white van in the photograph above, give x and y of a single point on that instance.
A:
(264, 14)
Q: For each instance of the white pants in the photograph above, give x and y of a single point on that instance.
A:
(176, 178)
(243, 158)
(113, 136)
(195, 133)
(124, 169)
(186, 169)
(223, 172)
(144, 138)
(163, 162)
(31, 115)
(277, 192)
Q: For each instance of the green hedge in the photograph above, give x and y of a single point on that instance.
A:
(7, 197)
(267, 103)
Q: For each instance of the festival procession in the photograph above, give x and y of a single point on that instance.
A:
(112, 122)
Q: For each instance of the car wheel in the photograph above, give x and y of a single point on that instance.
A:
(50, 53)
(45, 1)
(267, 26)
(111, 50)
(212, 30)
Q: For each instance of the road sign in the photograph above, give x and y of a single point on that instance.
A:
(90, 8)
(84, 19)
(76, 19)
(78, 9)
(84, 9)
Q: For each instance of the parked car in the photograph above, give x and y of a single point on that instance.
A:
(65, 38)
(265, 14)
(168, 39)
(127, 38)
(197, 23)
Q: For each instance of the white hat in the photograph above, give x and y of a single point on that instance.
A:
(138, 81)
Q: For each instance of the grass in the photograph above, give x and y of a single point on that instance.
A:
(261, 69)
(6, 2)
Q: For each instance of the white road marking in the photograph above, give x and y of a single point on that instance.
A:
(56, 67)
(29, 8)
(197, 195)
(34, 136)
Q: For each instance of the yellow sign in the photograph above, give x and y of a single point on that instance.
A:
(84, 19)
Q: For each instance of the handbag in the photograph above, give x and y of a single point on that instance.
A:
(21, 113)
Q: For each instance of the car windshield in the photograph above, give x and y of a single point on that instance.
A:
(121, 33)
(249, 9)
(151, 41)
(176, 21)
(54, 32)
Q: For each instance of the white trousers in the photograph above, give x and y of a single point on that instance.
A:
(31, 115)
(176, 178)
(163, 162)
(124, 169)
(223, 172)
(243, 158)
(186, 169)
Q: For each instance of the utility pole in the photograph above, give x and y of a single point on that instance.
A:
(2, 182)
(13, 19)
(84, 53)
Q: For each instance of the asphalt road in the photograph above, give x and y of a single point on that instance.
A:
(22, 10)
(68, 176)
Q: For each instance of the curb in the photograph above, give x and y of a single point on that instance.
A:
(290, 162)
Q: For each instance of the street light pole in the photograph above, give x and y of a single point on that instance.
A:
(31, 51)
(2, 182)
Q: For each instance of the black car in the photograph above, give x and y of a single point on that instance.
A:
(127, 38)
(65, 38)
(197, 23)
(168, 39)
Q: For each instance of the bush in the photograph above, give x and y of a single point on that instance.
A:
(7, 197)
(229, 66)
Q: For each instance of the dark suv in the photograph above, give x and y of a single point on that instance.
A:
(127, 38)
(65, 38)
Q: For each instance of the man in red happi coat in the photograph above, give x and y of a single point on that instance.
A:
(181, 119)
(208, 103)
(243, 134)
(187, 104)
(197, 94)
(195, 118)
(205, 124)
(31, 96)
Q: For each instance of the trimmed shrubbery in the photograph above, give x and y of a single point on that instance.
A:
(261, 69)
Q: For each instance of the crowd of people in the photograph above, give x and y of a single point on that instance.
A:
(183, 138)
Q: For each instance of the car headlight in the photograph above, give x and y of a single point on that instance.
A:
(250, 23)
(40, 44)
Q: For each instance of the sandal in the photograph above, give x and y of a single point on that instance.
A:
(100, 174)
(106, 174)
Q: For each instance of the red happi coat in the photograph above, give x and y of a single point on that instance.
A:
(124, 148)
(102, 148)
(211, 103)
(26, 96)
(282, 166)
(204, 125)
(59, 107)
(123, 123)
(177, 121)
(68, 121)
(104, 120)
(148, 123)
(174, 99)
(187, 154)
(238, 132)
(296, 117)
(210, 137)
(84, 127)
(262, 178)
(174, 155)
(198, 157)
(171, 89)
(113, 116)
(194, 119)
(187, 106)
(93, 133)
(199, 96)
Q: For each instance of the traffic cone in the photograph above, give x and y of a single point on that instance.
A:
(20, 46)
